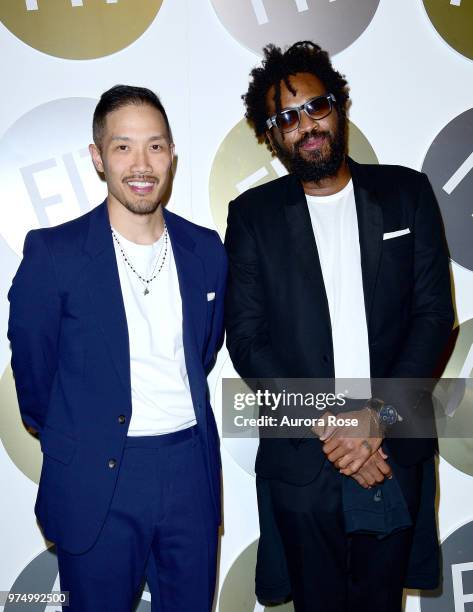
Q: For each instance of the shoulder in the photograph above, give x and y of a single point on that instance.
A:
(258, 204)
(65, 236)
(266, 193)
(387, 175)
(206, 240)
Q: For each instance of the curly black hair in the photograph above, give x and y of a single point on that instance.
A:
(277, 66)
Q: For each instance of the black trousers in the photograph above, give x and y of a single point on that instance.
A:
(328, 570)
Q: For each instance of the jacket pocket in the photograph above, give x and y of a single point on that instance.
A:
(57, 445)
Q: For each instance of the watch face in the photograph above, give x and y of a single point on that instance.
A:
(388, 414)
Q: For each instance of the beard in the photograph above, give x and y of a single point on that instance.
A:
(315, 166)
(142, 206)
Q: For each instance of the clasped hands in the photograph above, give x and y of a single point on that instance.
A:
(356, 451)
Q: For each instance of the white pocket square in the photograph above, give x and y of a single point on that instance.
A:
(210, 296)
(397, 233)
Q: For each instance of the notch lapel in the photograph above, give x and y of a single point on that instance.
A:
(304, 247)
(191, 277)
(105, 293)
(370, 229)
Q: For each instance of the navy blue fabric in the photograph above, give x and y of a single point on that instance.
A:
(379, 511)
(159, 524)
(71, 361)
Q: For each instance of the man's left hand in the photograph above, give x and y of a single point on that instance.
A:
(351, 446)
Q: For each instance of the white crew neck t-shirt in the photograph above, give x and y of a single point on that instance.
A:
(160, 393)
(335, 225)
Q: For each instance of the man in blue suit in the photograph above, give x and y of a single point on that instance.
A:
(115, 320)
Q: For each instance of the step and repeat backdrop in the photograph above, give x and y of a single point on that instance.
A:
(410, 67)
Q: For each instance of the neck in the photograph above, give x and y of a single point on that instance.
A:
(331, 184)
(141, 229)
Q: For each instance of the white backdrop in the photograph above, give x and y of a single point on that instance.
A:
(406, 84)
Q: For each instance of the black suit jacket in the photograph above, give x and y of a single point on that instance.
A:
(277, 316)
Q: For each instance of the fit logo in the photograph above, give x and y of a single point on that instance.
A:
(32, 5)
(459, 174)
(452, 19)
(461, 598)
(70, 166)
(449, 165)
(241, 163)
(78, 29)
(262, 15)
(333, 24)
(456, 592)
(45, 168)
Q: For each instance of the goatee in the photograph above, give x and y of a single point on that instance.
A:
(145, 207)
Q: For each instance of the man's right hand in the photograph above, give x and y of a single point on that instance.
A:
(373, 471)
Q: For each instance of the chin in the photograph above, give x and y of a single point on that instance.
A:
(142, 207)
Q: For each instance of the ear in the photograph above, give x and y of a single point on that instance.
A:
(96, 157)
(270, 138)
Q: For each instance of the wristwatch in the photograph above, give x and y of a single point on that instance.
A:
(387, 414)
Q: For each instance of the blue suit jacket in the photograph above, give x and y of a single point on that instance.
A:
(71, 361)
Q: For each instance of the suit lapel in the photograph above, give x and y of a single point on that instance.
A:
(370, 229)
(303, 244)
(105, 292)
(190, 272)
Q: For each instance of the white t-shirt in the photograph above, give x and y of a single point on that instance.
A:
(335, 226)
(160, 393)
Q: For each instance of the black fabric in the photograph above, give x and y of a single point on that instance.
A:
(330, 571)
(276, 310)
(278, 325)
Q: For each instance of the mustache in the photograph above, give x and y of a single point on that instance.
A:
(309, 135)
(141, 177)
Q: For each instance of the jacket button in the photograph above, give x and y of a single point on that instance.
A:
(112, 463)
(121, 419)
(325, 359)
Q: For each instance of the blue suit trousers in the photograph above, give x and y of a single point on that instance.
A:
(160, 526)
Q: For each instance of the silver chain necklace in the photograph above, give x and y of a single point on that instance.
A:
(145, 281)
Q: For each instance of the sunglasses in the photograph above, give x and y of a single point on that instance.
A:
(289, 119)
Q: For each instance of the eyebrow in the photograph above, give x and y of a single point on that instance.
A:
(128, 139)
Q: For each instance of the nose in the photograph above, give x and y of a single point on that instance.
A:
(141, 163)
(307, 124)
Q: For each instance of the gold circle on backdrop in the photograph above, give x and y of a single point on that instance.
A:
(78, 29)
(241, 162)
(238, 589)
(456, 430)
(22, 448)
(453, 20)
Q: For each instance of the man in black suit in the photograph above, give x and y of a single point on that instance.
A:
(336, 270)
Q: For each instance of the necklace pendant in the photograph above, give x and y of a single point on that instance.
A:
(146, 291)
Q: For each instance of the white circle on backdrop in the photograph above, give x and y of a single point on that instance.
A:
(46, 174)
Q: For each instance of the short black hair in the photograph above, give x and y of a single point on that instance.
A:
(277, 66)
(119, 96)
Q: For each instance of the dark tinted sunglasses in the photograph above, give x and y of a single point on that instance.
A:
(289, 119)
